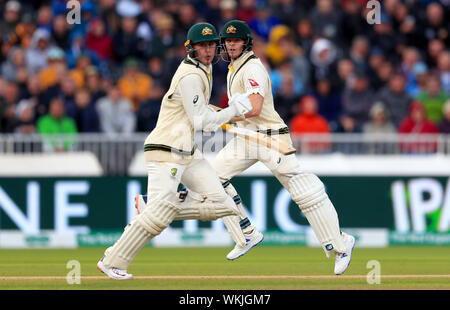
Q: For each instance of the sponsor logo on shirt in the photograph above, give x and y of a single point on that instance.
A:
(253, 82)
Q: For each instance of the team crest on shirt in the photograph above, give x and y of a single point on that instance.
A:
(207, 31)
(173, 171)
(231, 29)
(253, 82)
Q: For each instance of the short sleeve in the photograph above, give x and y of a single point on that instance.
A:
(255, 79)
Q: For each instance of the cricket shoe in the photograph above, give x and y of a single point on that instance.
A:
(342, 260)
(252, 239)
(113, 273)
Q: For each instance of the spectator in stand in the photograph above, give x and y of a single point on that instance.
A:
(86, 117)
(78, 72)
(228, 11)
(417, 80)
(357, 99)
(417, 123)
(57, 123)
(395, 99)
(378, 125)
(34, 98)
(410, 57)
(210, 10)
(8, 103)
(24, 30)
(359, 53)
(165, 37)
(308, 121)
(353, 22)
(324, 62)
(126, 42)
(155, 69)
(375, 60)
(88, 13)
(187, 16)
(379, 122)
(435, 48)
(99, 41)
(264, 20)
(434, 25)
(36, 54)
(135, 85)
(326, 21)
(286, 90)
(384, 73)
(433, 98)
(444, 125)
(345, 72)
(14, 69)
(78, 49)
(11, 18)
(289, 11)
(61, 32)
(403, 23)
(443, 70)
(259, 49)
(116, 112)
(44, 18)
(24, 122)
(329, 101)
(383, 36)
(65, 90)
(93, 83)
(56, 69)
(273, 50)
(108, 12)
(304, 35)
(147, 115)
(247, 10)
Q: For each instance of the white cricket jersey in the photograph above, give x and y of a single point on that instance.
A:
(183, 111)
(247, 74)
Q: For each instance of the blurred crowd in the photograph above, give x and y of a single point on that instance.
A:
(331, 69)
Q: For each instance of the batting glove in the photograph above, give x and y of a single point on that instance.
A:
(240, 103)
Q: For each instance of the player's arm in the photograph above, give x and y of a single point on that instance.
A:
(256, 85)
(256, 101)
(200, 114)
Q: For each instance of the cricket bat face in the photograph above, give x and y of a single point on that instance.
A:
(258, 138)
(261, 139)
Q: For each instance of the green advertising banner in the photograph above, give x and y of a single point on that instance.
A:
(82, 205)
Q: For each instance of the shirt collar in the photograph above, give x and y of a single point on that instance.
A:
(199, 64)
(237, 63)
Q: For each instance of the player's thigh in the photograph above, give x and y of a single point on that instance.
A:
(201, 178)
(163, 180)
(283, 167)
(233, 159)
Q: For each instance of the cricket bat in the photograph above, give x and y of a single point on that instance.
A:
(260, 138)
(257, 137)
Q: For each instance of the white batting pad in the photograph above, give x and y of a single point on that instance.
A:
(309, 193)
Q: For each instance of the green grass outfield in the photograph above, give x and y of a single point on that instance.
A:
(263, 268)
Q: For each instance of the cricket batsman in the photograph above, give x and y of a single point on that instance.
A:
(172, 157)
(247, 75)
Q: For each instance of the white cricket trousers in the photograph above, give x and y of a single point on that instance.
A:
(239, 154)
(198, 176)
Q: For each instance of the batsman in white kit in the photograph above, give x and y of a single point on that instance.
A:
(248, 75)
(172, 157)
